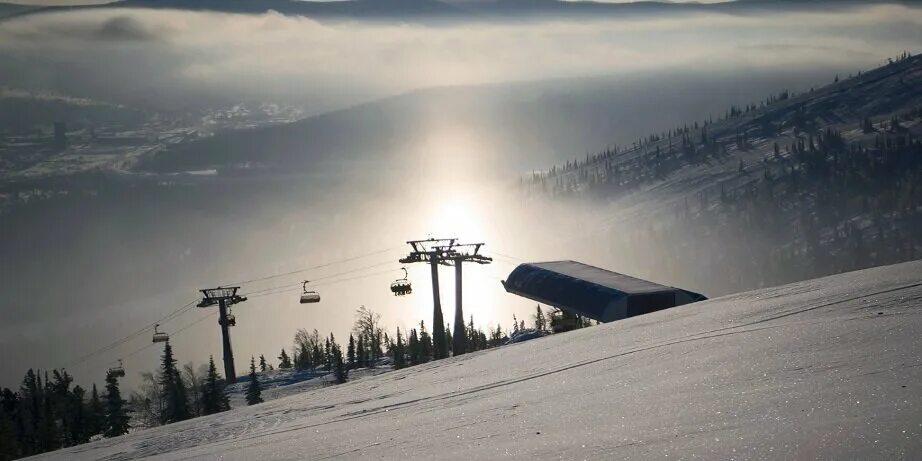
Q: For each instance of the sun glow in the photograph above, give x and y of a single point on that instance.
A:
(456, 217)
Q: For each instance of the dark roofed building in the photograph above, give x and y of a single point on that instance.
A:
(593, 292)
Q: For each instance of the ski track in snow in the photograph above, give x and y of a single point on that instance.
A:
(826, 368)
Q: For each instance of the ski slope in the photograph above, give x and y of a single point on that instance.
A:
(827, 368)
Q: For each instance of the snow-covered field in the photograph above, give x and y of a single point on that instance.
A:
(827, 368)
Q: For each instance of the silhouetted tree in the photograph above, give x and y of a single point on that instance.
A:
(284, 361)
(214, 392)
(399, 351)
(254, 393)
(413, 348)
(96, 414)
(340, 372)
(350, 352)
(262, 363)
(172, 390)
(116, 421)
(425, 344)
(540, 321)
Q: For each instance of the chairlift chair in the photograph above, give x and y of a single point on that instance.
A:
(402, 287)
(309, 296)
(159, 336)
(231, 320)
(119, 371)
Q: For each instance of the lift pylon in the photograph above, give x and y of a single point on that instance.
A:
(457, 254)
(224, 297)
(433, 251)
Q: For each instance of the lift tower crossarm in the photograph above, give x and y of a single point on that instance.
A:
(224, 297)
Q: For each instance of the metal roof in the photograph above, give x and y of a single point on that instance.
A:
(593, 292)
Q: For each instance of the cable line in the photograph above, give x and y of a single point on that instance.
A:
(331, 282)
(320, 266)
(200, 320)
(172, 315)
(187, 307)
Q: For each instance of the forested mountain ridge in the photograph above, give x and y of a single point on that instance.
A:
(793, 187)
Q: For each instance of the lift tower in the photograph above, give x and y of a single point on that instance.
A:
(433, 251)
(224, 297)
(457, 254)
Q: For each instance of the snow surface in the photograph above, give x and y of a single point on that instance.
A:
(275, 384)
(827, 368)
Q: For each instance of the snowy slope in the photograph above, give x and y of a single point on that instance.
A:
(276, 384)
(827, 368)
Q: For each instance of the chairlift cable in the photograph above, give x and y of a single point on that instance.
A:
(326, 277)
(189, 306)
(148, 346)
(179, 311)
(331, 282)
(320, 266)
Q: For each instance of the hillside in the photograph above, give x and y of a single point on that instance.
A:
(794, 187)
(517, 126)
(825, 368)
(10, 9)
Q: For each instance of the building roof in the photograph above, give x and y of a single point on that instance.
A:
(591, 291)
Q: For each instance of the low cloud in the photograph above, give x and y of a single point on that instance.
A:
(175, 54)
(123, 28)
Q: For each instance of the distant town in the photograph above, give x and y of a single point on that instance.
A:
(99, 137)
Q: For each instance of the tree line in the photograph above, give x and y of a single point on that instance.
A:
(46, 413)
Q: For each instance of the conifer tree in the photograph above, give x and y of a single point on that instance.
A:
(340, 372)
(413, 348)
(116, 421)
(48, 436)
(77, 417)
(254, 393)
(540, 320)
(327, 358)
(172, 390)
(10, 447)
(214, 392)
(30, 412)
(400, 358)
(361, 354)
(350, 353)
(302, 357)
(95, 414)
(471, 333)
(284, 361)
(425, 344)
(496, 336)
(59, 401)
(262, 363)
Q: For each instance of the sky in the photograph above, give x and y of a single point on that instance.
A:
(171, 60)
